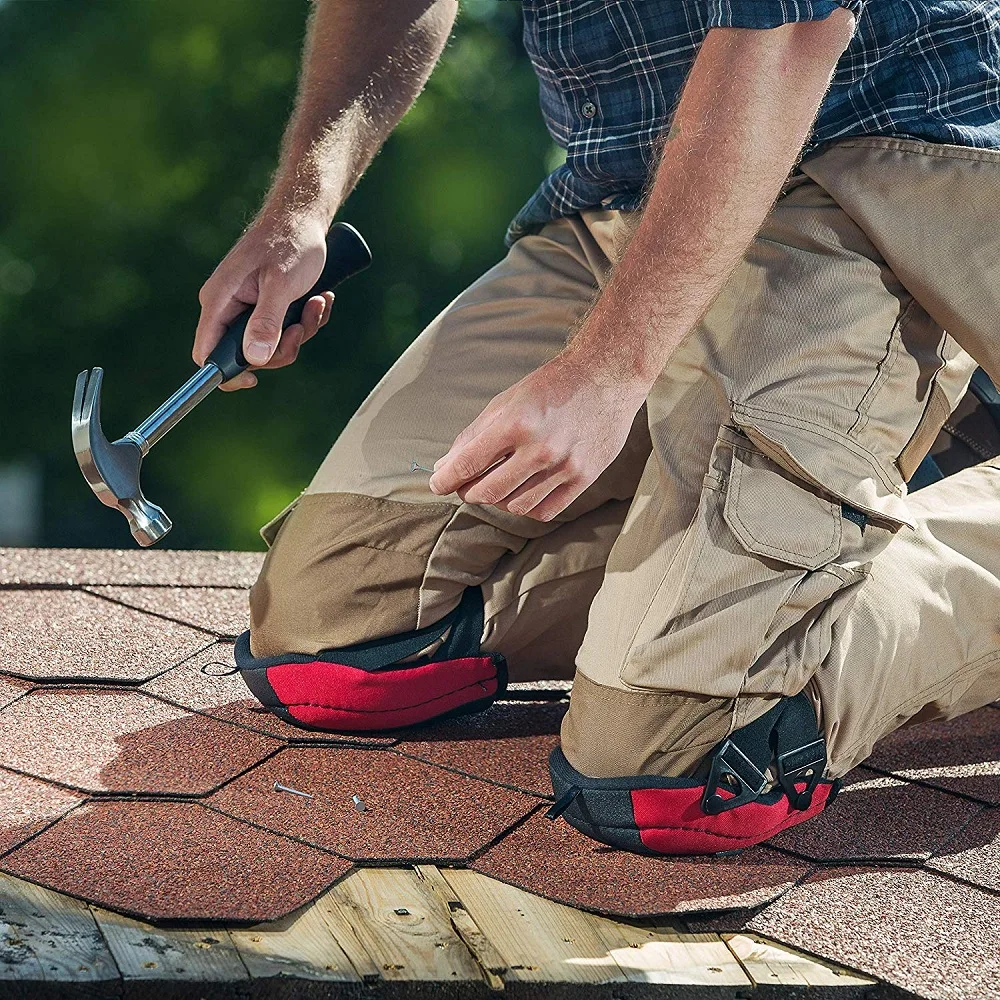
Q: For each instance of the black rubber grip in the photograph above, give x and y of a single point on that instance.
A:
(346, 255)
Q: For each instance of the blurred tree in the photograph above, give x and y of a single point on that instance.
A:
(137, 140)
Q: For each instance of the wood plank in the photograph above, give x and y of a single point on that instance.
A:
(659, 953)
(404, 927)
(300, 946)
(337, 920)
(48, 937)
(539, 940)
(489, 959)
(771, 964)
(144, 952)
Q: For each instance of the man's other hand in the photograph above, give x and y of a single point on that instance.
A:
(273, 263)
(539, 445)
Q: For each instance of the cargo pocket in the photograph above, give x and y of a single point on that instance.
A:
(760, 560)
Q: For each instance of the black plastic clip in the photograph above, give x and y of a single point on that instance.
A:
(736, 773)
(562, 803)
(804, 763)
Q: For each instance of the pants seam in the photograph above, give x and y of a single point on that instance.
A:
(427, 566)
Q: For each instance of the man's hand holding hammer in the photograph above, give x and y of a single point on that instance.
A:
(365, 63)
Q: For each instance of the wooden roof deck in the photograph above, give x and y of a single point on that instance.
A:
(395, 932)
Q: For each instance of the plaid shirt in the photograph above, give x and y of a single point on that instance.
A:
(611, 73)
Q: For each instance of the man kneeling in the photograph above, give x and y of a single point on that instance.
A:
(662, 447)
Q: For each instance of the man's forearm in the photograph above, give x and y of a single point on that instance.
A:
(365, 62)
(745, 114)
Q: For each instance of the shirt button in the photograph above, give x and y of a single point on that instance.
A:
(589, 109)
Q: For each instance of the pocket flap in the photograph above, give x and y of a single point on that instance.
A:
(773, 516)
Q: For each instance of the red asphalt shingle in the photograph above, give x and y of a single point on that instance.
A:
(70, 636)
(128, 567)
(110, 740)
(28, 806)
(413, 810)
(555, 860)
(208, 683)
(915, 929)
(873, 818)
(974, 854)
(174, 860)
(11, 688)
(961, 755)
(509, 743)
(224, 611)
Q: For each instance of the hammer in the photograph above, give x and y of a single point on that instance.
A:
(112, 468)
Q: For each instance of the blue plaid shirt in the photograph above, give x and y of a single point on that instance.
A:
(611, 72)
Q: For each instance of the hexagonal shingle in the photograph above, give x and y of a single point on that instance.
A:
(915, 929)
(224, 611)
(413, 811)
(553, 859)
(878, 817)
(509, 743)
(208, 683)
(29, 805)
(174, 860)
(107, 739)
(68, 635)
(974, 854)
(135, 567)
(960, 755)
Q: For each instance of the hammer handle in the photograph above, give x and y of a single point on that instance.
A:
(346, 255)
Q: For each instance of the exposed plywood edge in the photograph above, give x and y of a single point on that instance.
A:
(144, 952)
(490, 960)
(769, 963)
(302, 946)
(539, 941)
(662, 954)
(48, 937)
(338, 921)
(405, 927)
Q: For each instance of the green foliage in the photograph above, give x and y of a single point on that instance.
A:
(138, 138)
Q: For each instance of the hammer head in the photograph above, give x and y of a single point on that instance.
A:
(112, 468)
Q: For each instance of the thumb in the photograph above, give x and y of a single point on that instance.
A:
(260, 339)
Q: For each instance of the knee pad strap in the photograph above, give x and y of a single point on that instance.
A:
(728, 810)
(364, 687)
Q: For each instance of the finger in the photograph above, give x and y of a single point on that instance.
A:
(531, 493)
(288, 347)
(263, 331)
(219, 307)
(477, 427)
(245, 380)
(328, 298)
(556, 502)
(500, 481)
(312, 316)
(471, 460)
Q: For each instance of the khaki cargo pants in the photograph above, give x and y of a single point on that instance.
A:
(754, 539)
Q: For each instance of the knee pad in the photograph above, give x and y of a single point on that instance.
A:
(728, 810)
(364, 687)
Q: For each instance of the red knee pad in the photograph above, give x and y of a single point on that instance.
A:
(365, 687)
(727, 811)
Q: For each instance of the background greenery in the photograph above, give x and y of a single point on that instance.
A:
(137, 139)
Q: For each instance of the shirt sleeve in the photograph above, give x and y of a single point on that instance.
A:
(774, 13)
